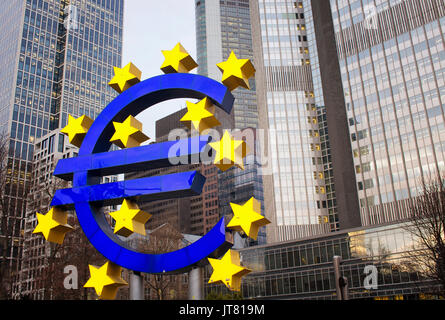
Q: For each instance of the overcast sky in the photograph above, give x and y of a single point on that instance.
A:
(149, 27)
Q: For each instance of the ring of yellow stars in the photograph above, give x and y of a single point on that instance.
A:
(177, 60)
(53, 225)
(228, 270)
(76, 129)
(125, 77)
(201, 115)
(236, 72)
(128, 134)
(129, 218)
(106, 280)
(229, 152)
(247, 218)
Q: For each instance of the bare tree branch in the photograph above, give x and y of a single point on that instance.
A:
(427, 225)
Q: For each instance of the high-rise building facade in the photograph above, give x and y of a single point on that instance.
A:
(58, 56)
(352, 92)
(223, 27)
(287, 111)
(302, 201)
(392, 60)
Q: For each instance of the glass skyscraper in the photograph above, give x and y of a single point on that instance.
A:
(302, 199)
(57, 57)
(352, 94)
(392, 60)
(222, 27)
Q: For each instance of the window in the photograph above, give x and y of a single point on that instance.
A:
(367, 184)
(365, 167)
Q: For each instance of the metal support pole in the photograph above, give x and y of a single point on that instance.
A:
(136, 286)
(337, 261)
(341, 283)
(195, 284)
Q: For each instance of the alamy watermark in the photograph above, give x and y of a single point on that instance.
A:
(257, 142)
(371, 279)
(371, 17)
(71, 281)
(71, 21)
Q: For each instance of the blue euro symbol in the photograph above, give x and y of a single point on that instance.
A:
(87, 195)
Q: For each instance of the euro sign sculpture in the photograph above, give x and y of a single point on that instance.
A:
(94, 160)
(117, 124)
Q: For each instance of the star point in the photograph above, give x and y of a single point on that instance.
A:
(128, 134)
(177, 60)
(130, 219)
(53, 225)
(76, 129)
(106, 280)
(247, 218)
(125, 77)
(228, 270)
(229, 152)
(200, 116)
(236, 72)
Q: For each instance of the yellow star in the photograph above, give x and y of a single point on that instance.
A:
(247, 218)
(130, 219)
(125, 78)
(228, 270)
(53, 225)
(105, 280)
(236, 72)
(201, 115)
(76, 129)
(229, 152)
(128, 134)
(177, 60)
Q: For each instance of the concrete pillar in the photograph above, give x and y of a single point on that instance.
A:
(136, 286)
(195, 284)
(337, 261)
(341, 283)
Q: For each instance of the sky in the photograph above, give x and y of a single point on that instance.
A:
(152, 26)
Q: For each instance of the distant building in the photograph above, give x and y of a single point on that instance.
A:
(222, 27)
(192, 215)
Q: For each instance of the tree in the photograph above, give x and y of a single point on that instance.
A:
(427, 225)
(164, 238)
(74, 251)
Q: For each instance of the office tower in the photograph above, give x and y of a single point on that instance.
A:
(191, 215)
(392, 63)
(58, 56)
(37, 251)
(223, 26)
(308, 145)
